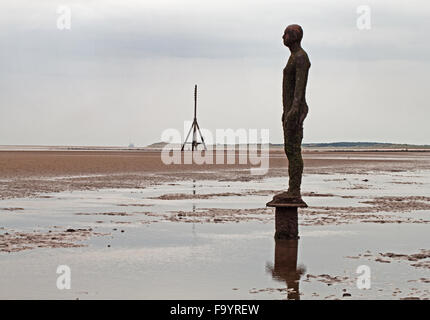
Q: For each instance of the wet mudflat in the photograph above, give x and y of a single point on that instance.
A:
(213, 238)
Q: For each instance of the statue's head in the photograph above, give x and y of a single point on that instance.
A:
(292, 34)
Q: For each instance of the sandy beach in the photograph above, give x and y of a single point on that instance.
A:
(126, 216)
(26, 173)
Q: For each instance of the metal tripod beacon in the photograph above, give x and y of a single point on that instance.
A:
(194, 128)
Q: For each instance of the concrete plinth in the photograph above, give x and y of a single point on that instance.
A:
(286, 223)
(286, 216)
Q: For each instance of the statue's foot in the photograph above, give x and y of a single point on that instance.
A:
(291, 198)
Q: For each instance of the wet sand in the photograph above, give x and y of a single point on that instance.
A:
(27, 173)
(105, 212)
(61, 163)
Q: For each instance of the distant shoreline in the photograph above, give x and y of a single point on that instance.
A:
(158, 147)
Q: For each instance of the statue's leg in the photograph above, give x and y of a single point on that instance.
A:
(293, 149)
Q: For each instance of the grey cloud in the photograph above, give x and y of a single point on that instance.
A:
(126, 69)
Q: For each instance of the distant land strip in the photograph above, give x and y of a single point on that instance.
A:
(330, 146)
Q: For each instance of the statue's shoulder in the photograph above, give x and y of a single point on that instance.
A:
(301, 58)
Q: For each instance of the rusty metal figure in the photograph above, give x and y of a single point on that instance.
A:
(295, 111)
(294, 82)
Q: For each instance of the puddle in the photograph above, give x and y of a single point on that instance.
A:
(144, 253)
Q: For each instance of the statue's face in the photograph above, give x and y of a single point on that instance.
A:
(286, 37)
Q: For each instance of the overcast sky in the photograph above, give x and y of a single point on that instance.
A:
(126, 70)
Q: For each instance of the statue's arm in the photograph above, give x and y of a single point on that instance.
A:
(284, 97)
(302, 70)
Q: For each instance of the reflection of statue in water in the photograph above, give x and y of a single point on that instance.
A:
(285, 267)
(295, 108)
